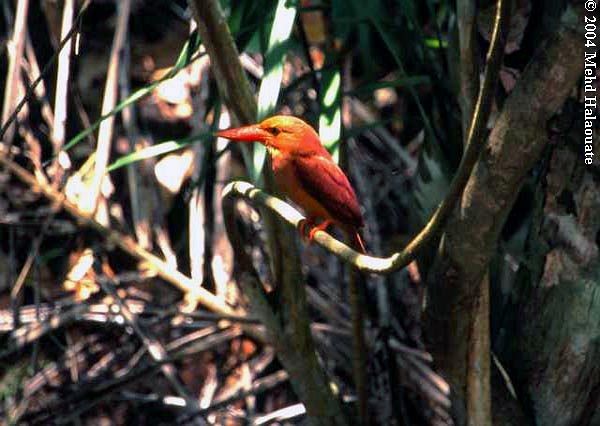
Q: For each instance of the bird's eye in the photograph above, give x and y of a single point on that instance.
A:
(274, 131)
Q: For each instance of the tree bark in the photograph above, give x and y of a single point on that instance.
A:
(553, 351)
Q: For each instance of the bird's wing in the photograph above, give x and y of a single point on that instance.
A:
(322, 179)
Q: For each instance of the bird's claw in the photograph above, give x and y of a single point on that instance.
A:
(305, 223)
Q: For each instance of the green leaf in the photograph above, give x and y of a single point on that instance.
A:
(186, 56)
(270, 86)
(330, 119)
(156, 150)
(435, 43)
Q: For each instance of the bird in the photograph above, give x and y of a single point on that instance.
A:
(305, 172)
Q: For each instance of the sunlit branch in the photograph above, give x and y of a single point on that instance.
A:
(293, 217)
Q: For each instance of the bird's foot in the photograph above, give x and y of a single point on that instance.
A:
(307, 223)
(320, 227)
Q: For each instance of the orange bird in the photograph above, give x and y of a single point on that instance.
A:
(306, 173)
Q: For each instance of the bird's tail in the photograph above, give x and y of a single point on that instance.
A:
(357, 242)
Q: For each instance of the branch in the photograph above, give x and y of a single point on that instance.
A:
(466, 15)
(293, 218)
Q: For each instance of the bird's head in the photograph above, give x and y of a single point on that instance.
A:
(278, 133)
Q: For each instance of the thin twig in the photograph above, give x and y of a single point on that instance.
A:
(199, 240)
(357, 309)
(287, 413)
(110, 100)
(293, 217)
(210, 176)
(62, 83)
(16, 48)
(40, 90)
(62, 78)
(33, 255)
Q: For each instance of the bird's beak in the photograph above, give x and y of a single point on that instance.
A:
(251, 133)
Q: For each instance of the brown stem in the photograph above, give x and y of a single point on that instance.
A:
(359, 350)
(466, 15)
(13, 77)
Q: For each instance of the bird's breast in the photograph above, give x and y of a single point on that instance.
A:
(286, 177)
(283, 170)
